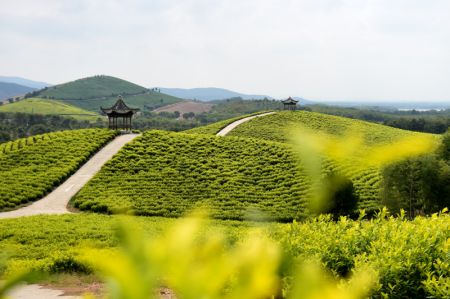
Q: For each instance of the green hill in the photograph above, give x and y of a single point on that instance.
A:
(167, 174)
(149, 100)
(93, 92)
(31, 167)
(49, 107)
(282, 125)
(92, 87)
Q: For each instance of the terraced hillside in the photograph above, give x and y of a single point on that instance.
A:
(282, 127)
(167, 174)
(92, 92)
(31, 167)
(49, 107)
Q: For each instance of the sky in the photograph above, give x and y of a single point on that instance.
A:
(334, 50)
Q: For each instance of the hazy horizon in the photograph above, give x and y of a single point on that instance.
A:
(323, 50)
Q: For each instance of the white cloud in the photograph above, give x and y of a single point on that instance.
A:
(321, 49)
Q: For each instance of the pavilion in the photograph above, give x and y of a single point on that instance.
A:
(119, 115)
(289, 104)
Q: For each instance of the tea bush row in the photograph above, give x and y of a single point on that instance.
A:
(31, 167)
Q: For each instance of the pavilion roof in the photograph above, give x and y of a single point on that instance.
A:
(119, 107)
(289, 101)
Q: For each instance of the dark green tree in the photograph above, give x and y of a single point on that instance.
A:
(343, 200)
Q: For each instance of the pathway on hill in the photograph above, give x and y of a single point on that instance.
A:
(56, 201)
(233, 125)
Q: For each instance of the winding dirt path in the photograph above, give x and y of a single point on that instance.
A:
(233, 125)
(56, 201)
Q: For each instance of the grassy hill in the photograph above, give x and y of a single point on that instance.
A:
(282, 125)
(31, 167)
(168, 174)
(147, 101)
(49, 107)
(92, 87)
(93, 92)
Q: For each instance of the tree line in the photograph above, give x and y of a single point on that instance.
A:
(420, 185)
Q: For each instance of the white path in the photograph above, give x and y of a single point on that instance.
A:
(56, 202)
(34, 291)
(233, 125)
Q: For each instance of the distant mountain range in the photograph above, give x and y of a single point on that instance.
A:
(8, 90)
(24, 82)
(17, 86)
(209, 94)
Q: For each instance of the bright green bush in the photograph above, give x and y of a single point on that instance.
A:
(168, 174)
(410, 257)
(281, 125)
(33, 166)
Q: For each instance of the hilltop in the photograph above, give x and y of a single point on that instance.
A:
(93, 92)
(91, 88)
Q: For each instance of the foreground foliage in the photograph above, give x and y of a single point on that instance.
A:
(387, 257)
(31, 167)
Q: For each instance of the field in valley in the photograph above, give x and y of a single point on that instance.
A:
(186, 107)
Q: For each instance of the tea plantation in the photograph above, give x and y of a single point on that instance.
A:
(410, 257)
(168, 174)
(282, 125)
(33, 166)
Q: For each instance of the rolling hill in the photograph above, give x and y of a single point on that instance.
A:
(49, 107)
(93, 92)
(12, 90)
(167, 174)
(282, 127)
(279, 126)
(255, 167)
